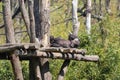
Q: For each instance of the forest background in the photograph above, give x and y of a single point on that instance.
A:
(105, 41)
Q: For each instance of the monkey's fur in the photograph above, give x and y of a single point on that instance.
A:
(72, 42)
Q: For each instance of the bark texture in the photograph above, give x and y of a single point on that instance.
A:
(42, 24)
(88, 17)
(9, 30)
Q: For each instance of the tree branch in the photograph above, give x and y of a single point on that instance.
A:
(25, 16)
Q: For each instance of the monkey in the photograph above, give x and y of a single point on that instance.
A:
(72, 42)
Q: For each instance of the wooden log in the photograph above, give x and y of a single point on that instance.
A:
(16, 66)
(32, 20)
(34, 69)
(79, 57)
(44, 35)
(56, 55)
(25, 16)
(11, 39)
(11, 47)
(34, 46)
(63, 50)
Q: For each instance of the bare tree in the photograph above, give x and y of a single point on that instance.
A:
(75, 21)
(88, 17)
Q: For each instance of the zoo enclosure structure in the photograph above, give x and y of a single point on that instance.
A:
(38, 50)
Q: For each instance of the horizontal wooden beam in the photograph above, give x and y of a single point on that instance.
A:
(26, 51)
(56, 55)
(31, 46)
(10, 47)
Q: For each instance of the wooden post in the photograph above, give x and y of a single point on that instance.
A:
(88, 17)
(44, 36)
(42, 25)
(10, 39)
(34, 68)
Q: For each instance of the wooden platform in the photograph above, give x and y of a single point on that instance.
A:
(29, 50)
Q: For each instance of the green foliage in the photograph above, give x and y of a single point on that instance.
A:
(105, 41)
(5, 71)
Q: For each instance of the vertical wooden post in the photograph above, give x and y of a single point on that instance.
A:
(34, 68)
(10, 39)
(42, 32)
(32, 20)
(88, 17)
(42, 25)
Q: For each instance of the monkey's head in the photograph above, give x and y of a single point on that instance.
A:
(75, 42)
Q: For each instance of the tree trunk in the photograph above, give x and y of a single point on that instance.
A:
(107, 6)
(88, 17)
(42, 24)
(25, 16)
(118, 5)
(75, 21)
(32, 21)
(44, 36)
(11, 39)
(34, 68)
